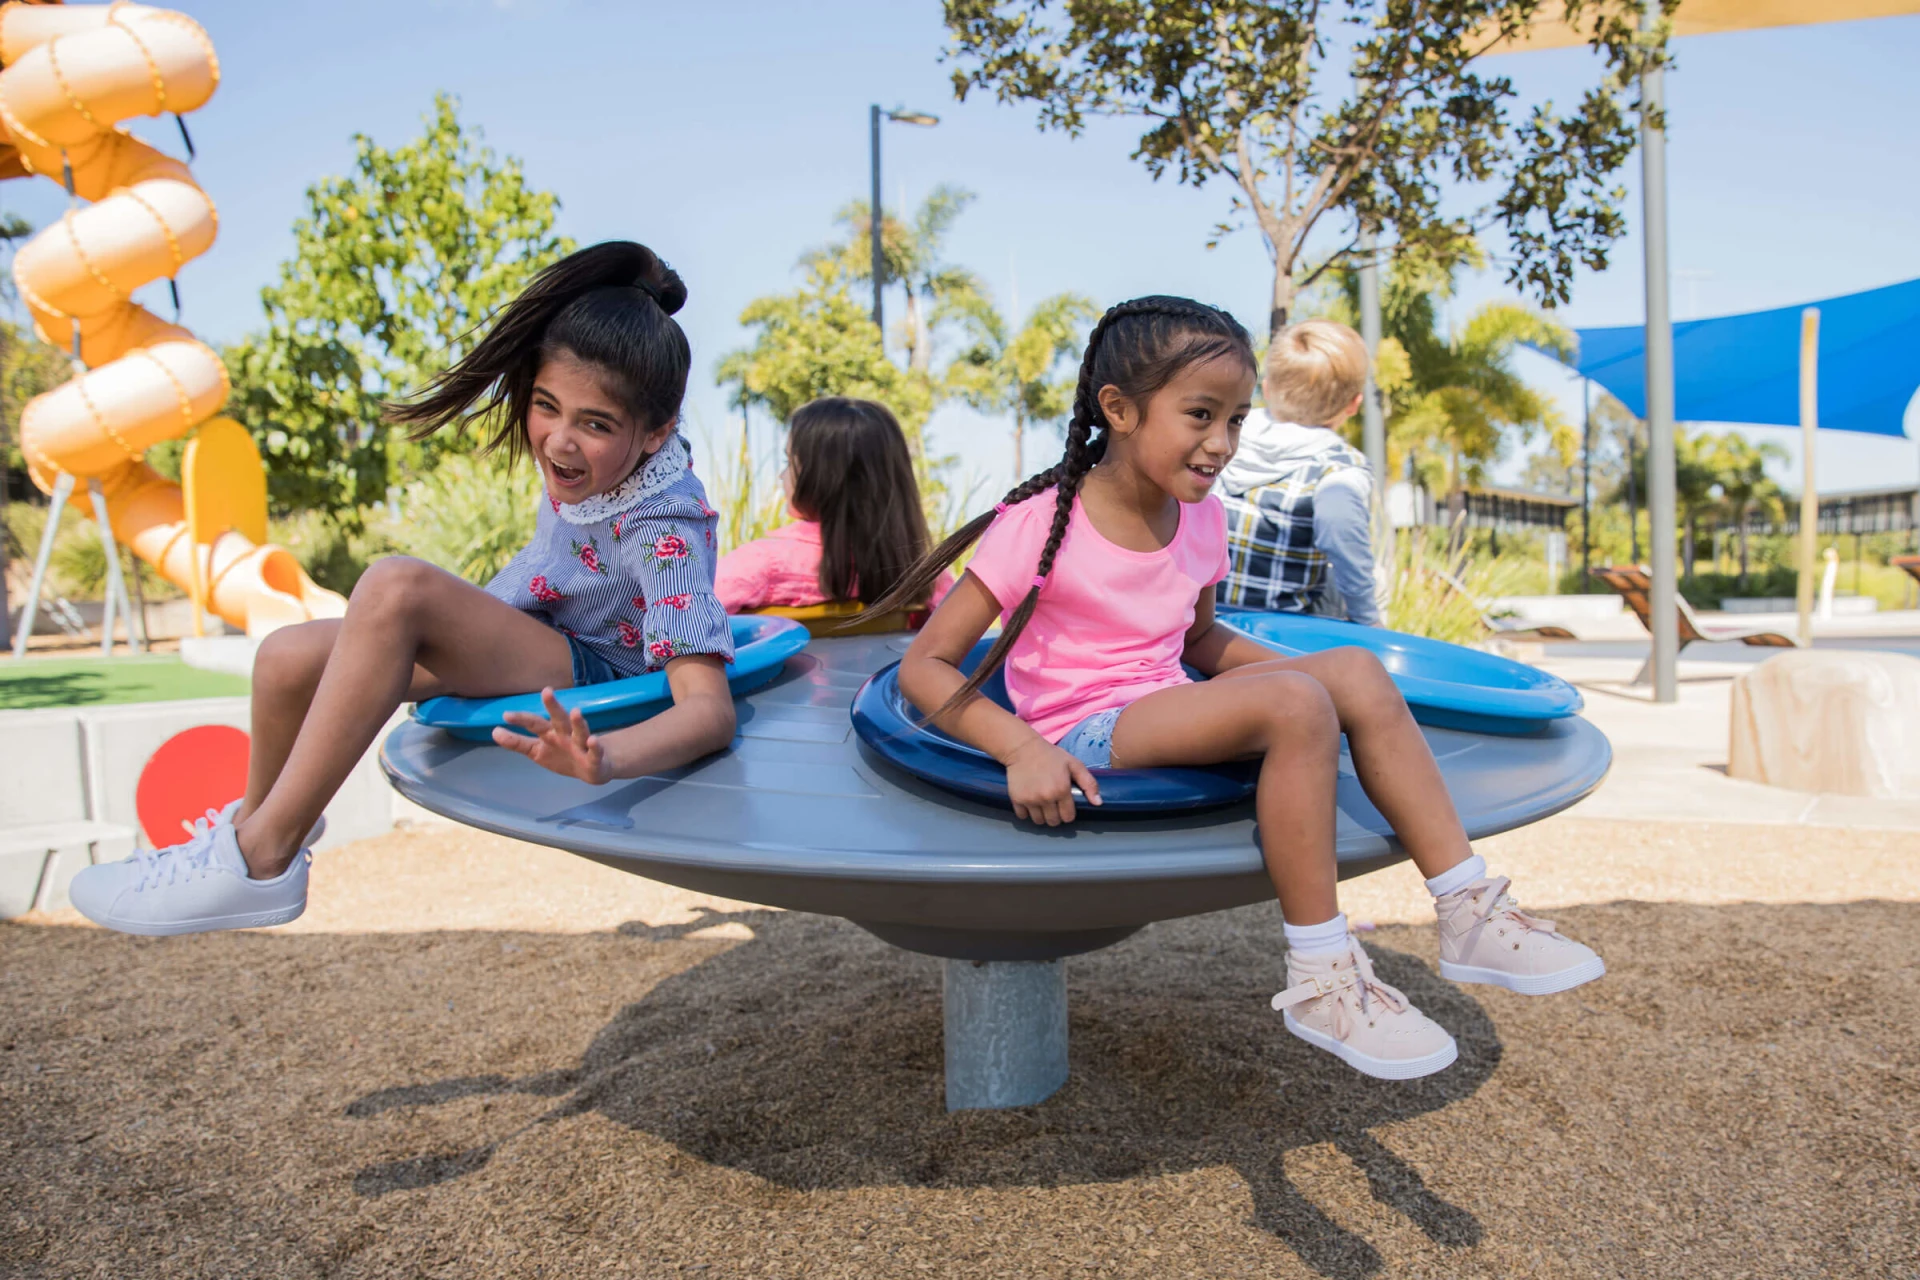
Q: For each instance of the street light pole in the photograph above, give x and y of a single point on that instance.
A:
(873, 220)
(898, 116)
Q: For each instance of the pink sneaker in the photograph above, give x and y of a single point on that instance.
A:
(1334, 1002)
(1485, 937)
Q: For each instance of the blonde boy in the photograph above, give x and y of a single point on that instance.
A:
(1298, 497)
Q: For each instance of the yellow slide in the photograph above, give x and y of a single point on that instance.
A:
(72, 73)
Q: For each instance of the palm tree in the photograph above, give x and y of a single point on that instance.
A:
(1016, 372)
(1745, 484)
(1696, 487)
(1454, 402)
(1699, 484)
(911, 255)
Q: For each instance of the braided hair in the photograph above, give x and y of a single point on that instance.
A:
(1137, 348)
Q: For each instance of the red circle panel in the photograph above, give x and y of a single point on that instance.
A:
(193, 771)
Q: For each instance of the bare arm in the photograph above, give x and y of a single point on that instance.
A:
(1214, 648)
(699, 723)
(1040, 776)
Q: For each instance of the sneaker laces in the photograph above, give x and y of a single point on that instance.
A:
(1494, 900)
(179, 861)
(1353, 991)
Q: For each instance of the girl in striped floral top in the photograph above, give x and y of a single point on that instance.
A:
(585, 372)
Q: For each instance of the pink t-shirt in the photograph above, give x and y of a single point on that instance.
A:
(783, 569)
(1111, 623)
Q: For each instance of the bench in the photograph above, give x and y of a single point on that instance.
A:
(1635, 585)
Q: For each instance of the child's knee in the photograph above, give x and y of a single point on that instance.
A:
(392, 585)
(293, 657)
(1297, 706)
(1360, 679)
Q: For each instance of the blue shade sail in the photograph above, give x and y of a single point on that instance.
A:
(1746, 368)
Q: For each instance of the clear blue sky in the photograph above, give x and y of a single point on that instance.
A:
(726, 135)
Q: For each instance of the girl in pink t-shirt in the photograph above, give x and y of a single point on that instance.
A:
(1102, 570)
(849, 479)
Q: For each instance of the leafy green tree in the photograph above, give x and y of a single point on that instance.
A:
(1367, 108)
(1696, 487)
(1024, 373)
(28, 367)
(1697, 484)
(819, 341)
(912, 255)
(393, 267)
(1745, 485)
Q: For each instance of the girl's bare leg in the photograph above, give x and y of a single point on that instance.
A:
(1395, 766)
(286, 671)
(1287, 719)
(403, 612)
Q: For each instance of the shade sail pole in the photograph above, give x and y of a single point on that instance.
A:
(1809, 493)
(1660, 477)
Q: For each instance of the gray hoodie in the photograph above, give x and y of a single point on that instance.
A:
(1342, 516)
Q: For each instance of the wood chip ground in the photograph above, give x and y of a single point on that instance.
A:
(1740, 1096)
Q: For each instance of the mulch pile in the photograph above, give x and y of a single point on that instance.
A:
(1739, 1097)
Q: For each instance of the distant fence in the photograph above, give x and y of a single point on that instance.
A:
(1497, 510)
(1892, 510)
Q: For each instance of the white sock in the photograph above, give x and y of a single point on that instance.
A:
(1454, 879)
(1309, 939)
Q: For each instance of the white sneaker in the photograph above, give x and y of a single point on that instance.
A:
(196, 886)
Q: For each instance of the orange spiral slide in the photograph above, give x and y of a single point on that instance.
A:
(71, 74)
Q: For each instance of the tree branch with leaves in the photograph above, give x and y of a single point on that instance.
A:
(392, 269)
(1361, 112)
(1025, 373)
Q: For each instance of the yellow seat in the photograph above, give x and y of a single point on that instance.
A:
(826, 620)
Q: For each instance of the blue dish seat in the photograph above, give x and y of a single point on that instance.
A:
(761, 646)
(891, 727)
(1448, 686)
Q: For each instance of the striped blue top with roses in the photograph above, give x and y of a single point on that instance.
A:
(628, 573)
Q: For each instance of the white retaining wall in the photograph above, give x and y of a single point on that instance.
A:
(1562, 610)
(67, 782)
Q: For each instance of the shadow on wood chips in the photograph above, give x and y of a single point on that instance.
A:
(1736, 1097)
(1192, 1077)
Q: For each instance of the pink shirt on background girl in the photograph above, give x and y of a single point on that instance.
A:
(783, 569)
(1111, 623)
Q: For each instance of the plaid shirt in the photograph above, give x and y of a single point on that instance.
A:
(1273, 563)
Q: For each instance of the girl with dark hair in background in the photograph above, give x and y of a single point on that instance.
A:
(857, 524)
(1103, 569)
(585, 371)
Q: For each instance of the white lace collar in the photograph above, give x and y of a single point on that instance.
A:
(657, 474)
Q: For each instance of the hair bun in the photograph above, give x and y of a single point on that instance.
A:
(659, 281)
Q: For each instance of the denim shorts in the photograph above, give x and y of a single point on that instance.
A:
(588, 666)
(1091, 741)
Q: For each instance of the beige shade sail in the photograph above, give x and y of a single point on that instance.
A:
(1705, 17)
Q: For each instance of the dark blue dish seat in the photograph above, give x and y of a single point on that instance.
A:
(760, 646)
(891, 727)
(1448, 686)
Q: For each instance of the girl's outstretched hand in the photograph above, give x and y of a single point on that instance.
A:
(1040, 782)
(560, 741)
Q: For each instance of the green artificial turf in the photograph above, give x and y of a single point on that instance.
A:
(30, 683)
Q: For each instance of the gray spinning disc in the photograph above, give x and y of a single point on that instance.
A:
(799, 815)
